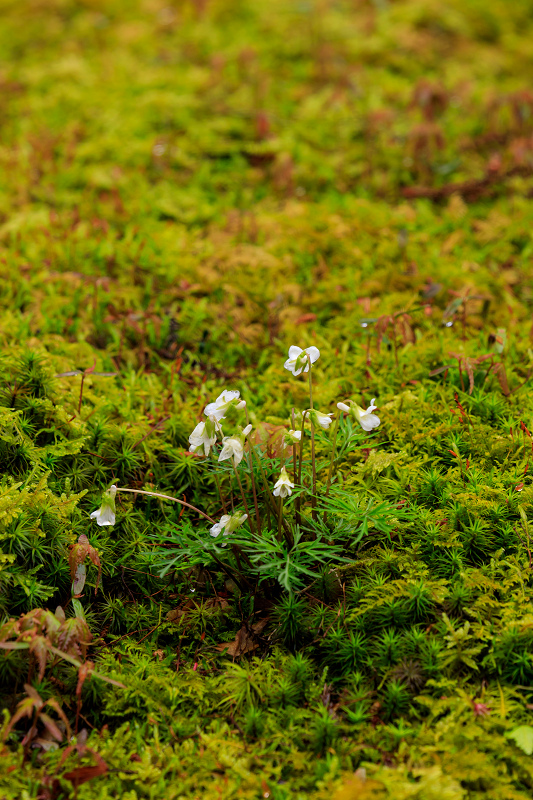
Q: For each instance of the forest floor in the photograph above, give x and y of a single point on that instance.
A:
(187, 190)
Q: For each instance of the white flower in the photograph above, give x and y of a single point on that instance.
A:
(299, 360)
(324, 420)
(292, 437)
(204, 435)
(220, 407)
(233, 446)
(105, 515)
(228, 524)
(284, 487)
(218, 527)
(366, 419)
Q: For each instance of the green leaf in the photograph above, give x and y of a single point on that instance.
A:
(523, 738)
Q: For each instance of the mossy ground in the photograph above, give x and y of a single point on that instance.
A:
(186, 190)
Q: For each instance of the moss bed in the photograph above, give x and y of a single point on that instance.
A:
(186, 190)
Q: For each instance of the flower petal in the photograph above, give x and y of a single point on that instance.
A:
(369, 421)
(294, 351)
(226, 452)
(313, 353)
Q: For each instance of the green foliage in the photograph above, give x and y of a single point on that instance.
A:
(187, 190)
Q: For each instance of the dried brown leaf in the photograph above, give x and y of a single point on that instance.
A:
(499, 371)
(245, 640)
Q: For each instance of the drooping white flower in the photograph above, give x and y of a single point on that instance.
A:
(284, 486)
(324, 420)
(366, 419)
(299, 360)
(219, 409)
(228, 524)
(105, 515)
(204, 435)
(292, 437)
(233, 446)
(218, 527)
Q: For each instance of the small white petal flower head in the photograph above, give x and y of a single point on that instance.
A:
(228, 524)
(291, 438)
(105, 515)
(233, 446)
(299, 360)
(218, 527)
(204, 435)
(366, 419)
(283, 487)
(219, 409)
(324, 420)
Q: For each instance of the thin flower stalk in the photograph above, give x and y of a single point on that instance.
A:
(313, 463)
(301, 449)
(254, 492)
(218, 484)
(265, 486)
(275, 509)
(168, 497)
(243, 497)
(297, 515)
(252, 476)
(332, 459)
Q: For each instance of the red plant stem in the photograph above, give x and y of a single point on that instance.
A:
(167, 497)
(81, 391)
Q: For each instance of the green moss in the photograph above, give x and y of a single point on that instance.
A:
(185, 191)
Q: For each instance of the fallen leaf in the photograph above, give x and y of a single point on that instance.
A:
(84, 774)
(245, 640)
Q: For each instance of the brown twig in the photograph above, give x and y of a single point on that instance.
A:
(168, 497)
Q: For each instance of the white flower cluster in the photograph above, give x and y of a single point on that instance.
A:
(205, 434)
(204, 438)
(301, 361)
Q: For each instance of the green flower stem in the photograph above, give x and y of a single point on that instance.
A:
(280, 519)
(266, 486)
(275, 510)
(243, 496)
(265, 483)
(332, 460)
(301, 449)
(167, 497)
(249, 458)
(313, 463)
(254, 492)
(219, 489)
(297, 515)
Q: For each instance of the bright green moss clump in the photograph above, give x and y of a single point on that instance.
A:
(186, 190)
